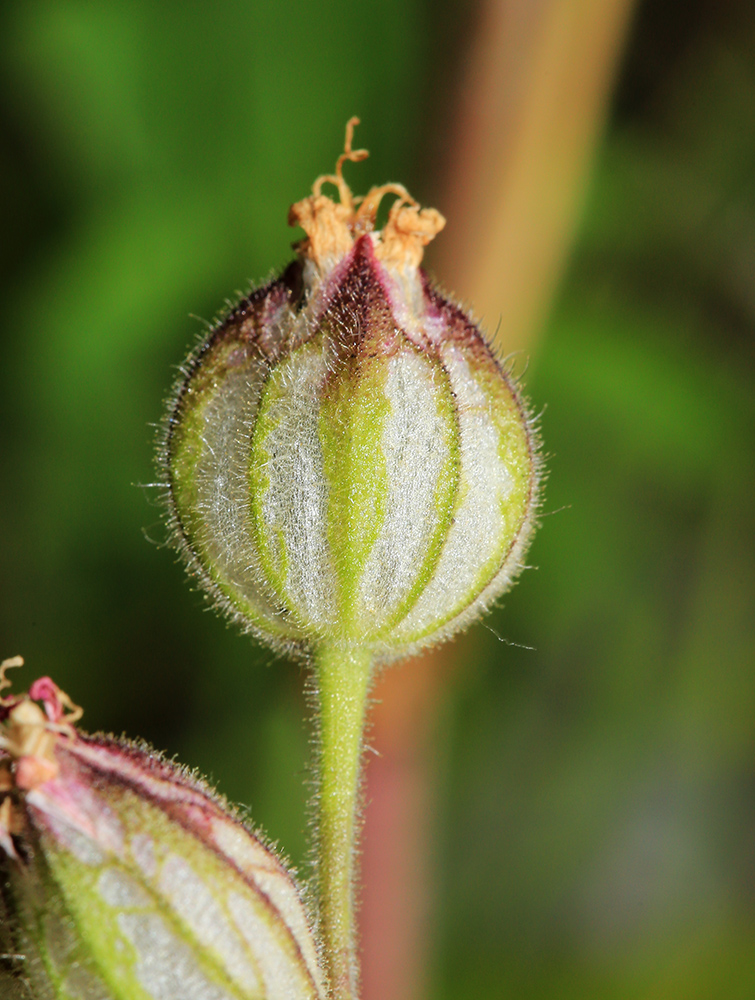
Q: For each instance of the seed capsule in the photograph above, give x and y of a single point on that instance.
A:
(127, 879)
(347, 461)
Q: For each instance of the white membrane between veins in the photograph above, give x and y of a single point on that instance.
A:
(478, 530)
(416, 447)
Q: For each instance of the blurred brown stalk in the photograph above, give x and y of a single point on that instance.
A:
(530, 106)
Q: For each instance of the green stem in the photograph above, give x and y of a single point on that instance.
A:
(343, 681)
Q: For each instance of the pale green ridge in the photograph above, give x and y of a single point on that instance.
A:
(270, 626)
(274, 418)
(187, 446)
(273, 555)
(185, 451)
(99, 922)
(514, 451)
(40, 941)
(95, 920)
(115, 957)
(188, 449)
(170, 839)
(48, 933)
(352, 419)
(446, 500)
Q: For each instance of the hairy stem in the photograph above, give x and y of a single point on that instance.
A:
(343, 681)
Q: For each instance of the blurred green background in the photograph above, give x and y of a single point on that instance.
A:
(597, 795)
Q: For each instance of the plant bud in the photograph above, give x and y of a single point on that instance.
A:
(347, 460)
(127, 878)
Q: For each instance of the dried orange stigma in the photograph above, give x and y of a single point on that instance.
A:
(332, 227)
